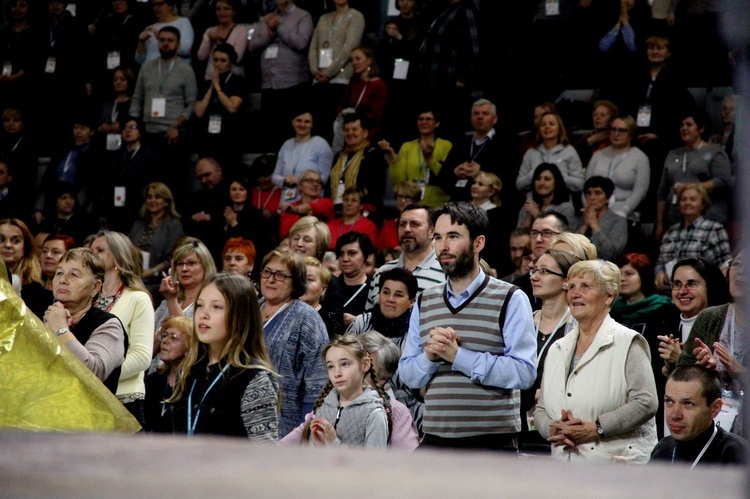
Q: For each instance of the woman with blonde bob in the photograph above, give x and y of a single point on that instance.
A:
(598, 396)
(192, 265)
(228, 386)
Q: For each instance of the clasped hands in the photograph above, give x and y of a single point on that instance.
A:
(570, 432)
(467, 169)
(322, 431)
(706, 358)
(442, 344)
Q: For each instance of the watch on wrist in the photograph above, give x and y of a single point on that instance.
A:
(62, 330)
(599, 428)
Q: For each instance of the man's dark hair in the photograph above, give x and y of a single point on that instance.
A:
(708, 379)
(356, 237)
(403, 275)
(417, 206)
(463, 213)
(602, 182)
(173, 30)
(355, 116)
(562, 220)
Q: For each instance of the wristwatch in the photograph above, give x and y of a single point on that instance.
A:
(599, 428)
(62, 330)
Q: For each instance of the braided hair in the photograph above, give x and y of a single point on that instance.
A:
(351, 344)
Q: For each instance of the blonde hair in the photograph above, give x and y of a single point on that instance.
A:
(128, 259)
(494, 182)
(183, 248)
(606, 273)
(161, 190)
(583, 249)
(28, 267)
(185, 326)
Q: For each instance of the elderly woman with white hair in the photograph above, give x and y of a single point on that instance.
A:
(598, 395)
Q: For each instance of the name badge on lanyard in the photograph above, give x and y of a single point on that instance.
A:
(214, 124)
(119, 199)
(400, 69)
(730, 407)
(340, 193)
(552, 8)
(272, 52)
(114, 141)
(49, 68)
(113, 59)
(7, 68)
(158, 107)
(644, 116)
(325, 57)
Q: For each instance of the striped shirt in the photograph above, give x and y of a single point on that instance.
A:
(428, 273)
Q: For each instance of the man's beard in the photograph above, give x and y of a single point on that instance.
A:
(168, 54)
(410, 245)
(462, 266)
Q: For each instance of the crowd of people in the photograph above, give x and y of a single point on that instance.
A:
(571, 291)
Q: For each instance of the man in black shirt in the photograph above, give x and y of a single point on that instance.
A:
(692, 399)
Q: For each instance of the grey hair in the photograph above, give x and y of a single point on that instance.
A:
(607, 274)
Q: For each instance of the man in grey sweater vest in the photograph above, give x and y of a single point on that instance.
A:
(471, 343)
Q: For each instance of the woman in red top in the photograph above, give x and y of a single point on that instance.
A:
(366, 92)
(312, 202)
(353, 219)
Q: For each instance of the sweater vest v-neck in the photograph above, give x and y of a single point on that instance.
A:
(456, 406)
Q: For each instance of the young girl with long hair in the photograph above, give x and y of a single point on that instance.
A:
(228, 386)
(348, 410)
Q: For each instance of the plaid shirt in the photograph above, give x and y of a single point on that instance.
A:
(450, 50)
(703, 238)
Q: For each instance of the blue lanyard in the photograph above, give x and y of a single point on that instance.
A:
(192, 423)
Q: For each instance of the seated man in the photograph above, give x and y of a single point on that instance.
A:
(692, 399)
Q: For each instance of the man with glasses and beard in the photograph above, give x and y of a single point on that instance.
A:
(471, 343)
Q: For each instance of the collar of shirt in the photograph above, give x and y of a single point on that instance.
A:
(490, 135)
(457, 300)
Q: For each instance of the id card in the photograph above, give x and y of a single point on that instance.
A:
(325, 58)
(400, 69)
(271, 52)
(289, 194)
(552, 7)
(422, 186)
(644, 116)
(340, 194)
(730, 407)
(7, 68)
(214, 124)
(462, 182)
(119, 196)
(114, 141)
(49, 68)
(158, 107)
(113, 59)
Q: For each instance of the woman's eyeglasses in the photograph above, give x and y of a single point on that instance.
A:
(277, 276)
(543, 272)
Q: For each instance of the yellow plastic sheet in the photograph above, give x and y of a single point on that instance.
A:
(44, 387)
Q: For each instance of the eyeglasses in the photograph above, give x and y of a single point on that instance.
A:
(189, 264)
(619, 130)
(131, 127)
(543, 272)
(277, 276)
(173, 338)
(546, 234)
(312, 181)
(691, 284)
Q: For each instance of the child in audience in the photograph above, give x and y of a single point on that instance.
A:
(348, 411)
